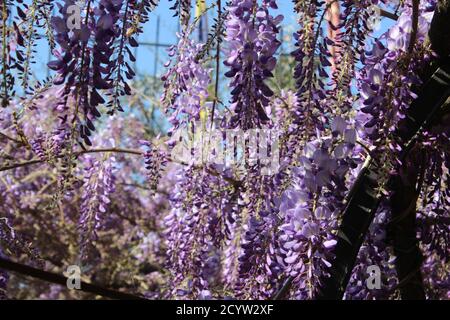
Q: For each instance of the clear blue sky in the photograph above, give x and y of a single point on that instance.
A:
(167, 35)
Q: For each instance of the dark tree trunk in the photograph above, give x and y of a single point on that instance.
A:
(402, 228)
(440, 29)
(362, 204)
(405, 185)
(356, 220)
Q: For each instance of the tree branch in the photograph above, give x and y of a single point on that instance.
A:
(76, 154)
(62, 280)
(402, 228)
(216, 85)
(415, 23)
(388, 14)
(439, 33)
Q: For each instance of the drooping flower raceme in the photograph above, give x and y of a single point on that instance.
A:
(195, 230)
(251, 33)
(98, 187)
(386, 63)
(311, 207)
(155, 160)
(84, 63)
(185, 83)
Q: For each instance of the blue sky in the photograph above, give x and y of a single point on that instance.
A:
(167, 35)
(146, 55)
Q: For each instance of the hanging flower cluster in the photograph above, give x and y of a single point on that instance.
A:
(195, 231)
(185, 83)
(98, 188)
(312, 205)
(252, 36)
(182, 9)
(392, 62)
(83, 60)
(155, 160)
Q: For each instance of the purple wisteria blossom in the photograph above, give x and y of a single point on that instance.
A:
(98, 188)
(155, 160)
(252, 38)
(185, 83)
